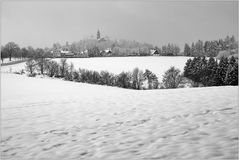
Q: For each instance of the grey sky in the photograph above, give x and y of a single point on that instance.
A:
(41, 23)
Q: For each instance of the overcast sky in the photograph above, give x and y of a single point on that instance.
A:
(41, 23)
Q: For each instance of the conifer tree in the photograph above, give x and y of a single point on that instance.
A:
(199, 51)
(187, 68)
(222, 71)
(196, 70)
(222, 45)
(214, 49)
(206, 47)
(232, 72)
(210, 72)
(186, 50)
(98, 34)
(193, 50)
(202, 70)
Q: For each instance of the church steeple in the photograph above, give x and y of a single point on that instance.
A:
(98, 34)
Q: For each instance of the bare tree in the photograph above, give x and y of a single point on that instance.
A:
(3, 53)
(31, 66)
(41, 59)
(172, 78)
(63, 67)
(11, 49)
(138, 78)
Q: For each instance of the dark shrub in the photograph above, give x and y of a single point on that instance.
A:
(95, 77)
(76, 76)
(83, 77)
(63, 67)
(69, 73)
(152, 79)
(124, 80)
(68, 76)
(107, 78)
(52, 68)
(32, 75)
(211, 73)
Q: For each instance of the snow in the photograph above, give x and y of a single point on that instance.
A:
(54, 119)
(6, 60)
(13, 68)
(157, 64)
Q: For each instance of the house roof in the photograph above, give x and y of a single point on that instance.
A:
(153, 51)
(62, 51)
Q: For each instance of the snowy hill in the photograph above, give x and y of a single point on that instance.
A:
(54, 119)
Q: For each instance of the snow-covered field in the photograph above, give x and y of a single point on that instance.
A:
(13, 68)
(50, 119)
(157, 64)
(6, 60)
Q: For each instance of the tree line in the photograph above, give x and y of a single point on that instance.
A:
(168, 50)
(197, 71)
(210, 48)
(137, 79)
(91, 47)
(210, 72)
(12, 50)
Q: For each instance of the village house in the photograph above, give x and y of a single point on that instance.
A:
(106, 52)
(83, 53)
(63, 52)
(154, 52)
(56, 53)
(66, 53)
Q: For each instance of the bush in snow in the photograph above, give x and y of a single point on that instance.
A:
(41, 60)
(137, 78)
(76, 76)
(152, 79)
(89, 76)
(31, 67)
(124, 80)
(63, 67)
(52, 68)
(107, 78)
(69, 72)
